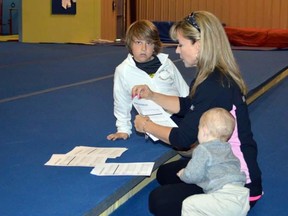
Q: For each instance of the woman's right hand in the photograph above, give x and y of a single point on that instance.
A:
(142, 91)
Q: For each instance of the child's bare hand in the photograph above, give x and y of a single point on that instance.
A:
(117, 135)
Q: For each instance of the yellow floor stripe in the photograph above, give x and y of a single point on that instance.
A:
(266, 87)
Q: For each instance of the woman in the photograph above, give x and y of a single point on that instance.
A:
(202, 42)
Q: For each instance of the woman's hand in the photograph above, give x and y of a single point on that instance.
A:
(142, 91)
(117, 135)
(140, 123)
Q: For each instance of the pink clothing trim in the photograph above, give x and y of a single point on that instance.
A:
(255, 198)
(235, 144)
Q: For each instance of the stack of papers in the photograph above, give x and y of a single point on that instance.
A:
(85, 156)
(96, 157)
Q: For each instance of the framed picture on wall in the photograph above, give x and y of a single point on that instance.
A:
(65, 7)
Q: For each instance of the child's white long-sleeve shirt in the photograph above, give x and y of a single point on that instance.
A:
(167, 80)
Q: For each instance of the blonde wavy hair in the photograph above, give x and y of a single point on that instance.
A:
(215, 49)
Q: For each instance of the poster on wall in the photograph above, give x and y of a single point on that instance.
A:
(65, 7)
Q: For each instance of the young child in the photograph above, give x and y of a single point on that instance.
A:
(143, 65)
(215, 169)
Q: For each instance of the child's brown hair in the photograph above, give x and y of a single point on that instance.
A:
(143, 30)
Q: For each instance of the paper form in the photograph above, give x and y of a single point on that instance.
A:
(74, 160)
(85, 156)
(131, 169)
(98, 151)
(155, 112)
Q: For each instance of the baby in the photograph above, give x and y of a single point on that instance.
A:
(215, 169)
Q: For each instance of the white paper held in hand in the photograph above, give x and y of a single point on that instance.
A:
(155, 112)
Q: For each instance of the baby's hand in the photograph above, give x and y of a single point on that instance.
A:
(180, 172)
(117, 135)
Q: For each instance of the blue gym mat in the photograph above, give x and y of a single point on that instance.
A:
(54, 97)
